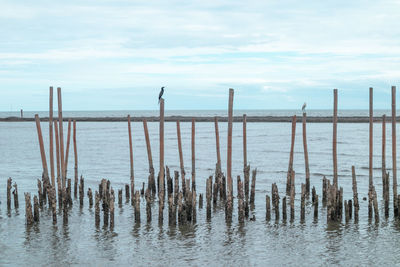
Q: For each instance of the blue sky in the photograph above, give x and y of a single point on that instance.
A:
(276, 54)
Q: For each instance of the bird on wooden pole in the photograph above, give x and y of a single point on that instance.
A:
(161, 94)
(303, 108)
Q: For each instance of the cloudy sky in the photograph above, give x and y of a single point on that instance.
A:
(275, 54)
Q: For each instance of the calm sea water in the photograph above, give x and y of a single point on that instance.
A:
(104, 153)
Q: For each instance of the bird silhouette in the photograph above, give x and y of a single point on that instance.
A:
(303, 108)
(161, 94)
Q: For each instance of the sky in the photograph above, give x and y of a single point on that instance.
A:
(115, 55)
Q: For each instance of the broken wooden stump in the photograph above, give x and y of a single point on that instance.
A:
(28, 209)
(35, 209)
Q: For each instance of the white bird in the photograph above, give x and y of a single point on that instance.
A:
(303, 108)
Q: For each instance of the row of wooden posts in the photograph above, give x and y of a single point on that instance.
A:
(333, 195)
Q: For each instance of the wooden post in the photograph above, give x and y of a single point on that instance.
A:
(97, 209)
(193, 155)
(290, 168)
(57, 149)
(371, 136)
(28, 209)
(383, 155)
(90, 197)
(303, 202)
(284, 209)
(76, 162)
(229, 156)
(112, 201)
(132, 177)
(355, 194)
(51, 138)
(292, 195)
(217, 142)
(149, 156)
(244, 141)
(41, 145)
(161, 177)
(253, 188)
(394, 157)
(35, 209)
(316, 208)
(178, 133)
(9, 182)
(61, 136)
(15, 193)
(334, 150)
(306, 154)
(67, 148)
(22, 113)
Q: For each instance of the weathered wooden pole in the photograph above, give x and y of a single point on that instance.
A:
(384, 155)
(9, 185)
(132, 177)
(217, 142)
(371, 136)
(41, 146)
(28, 209)
(67, 148)
(290, 168)
(334, 149)
(306, 154)
(244, 141)
(15, 193)
(57, 149)
(394, 157)
(76, 163)
(61, 136)
(229, 156)
(161, 177)
(51, 138)
(149, 156)
(182, 166)
(355, 194)
(193, 155)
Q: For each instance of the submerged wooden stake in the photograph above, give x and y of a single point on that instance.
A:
(355, 194)
(244, 141)
(28, 209)
(334, 144)
(41, 146)
(178, 133)
(90, 197)
(284, 209)
(15, 193)
(148, 145)
(9, 181)
(35, 209)
(394, 157)
(383, 156)
(229, 150)
(51, 137)
(253, 187)
(97, 209)
(306, 154)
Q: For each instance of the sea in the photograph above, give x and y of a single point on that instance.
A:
(103, 152)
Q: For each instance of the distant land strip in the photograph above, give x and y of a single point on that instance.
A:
(209, 119)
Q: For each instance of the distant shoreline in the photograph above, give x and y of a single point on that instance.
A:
(311, 119)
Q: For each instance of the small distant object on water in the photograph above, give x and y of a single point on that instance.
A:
(161, 94)
(303, 108)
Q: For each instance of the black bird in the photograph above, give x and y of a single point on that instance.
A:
(161, 94)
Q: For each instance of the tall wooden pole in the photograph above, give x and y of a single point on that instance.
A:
(41, 146)
(178, 133)
(244, 141)
(132, 177)
(217, 142)
(290, 167)
(306, 153)
(371, 136)
(334, 149)
(67, 148)
(57, 149)
(229, 156)
(193, 155)
(161, 188)
(394, 159)
(146, 135)
(76, 161)
(61, 135)
(383, 153)
(51, 137)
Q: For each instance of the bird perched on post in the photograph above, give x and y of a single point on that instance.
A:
(161, 94)
(303, 108)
